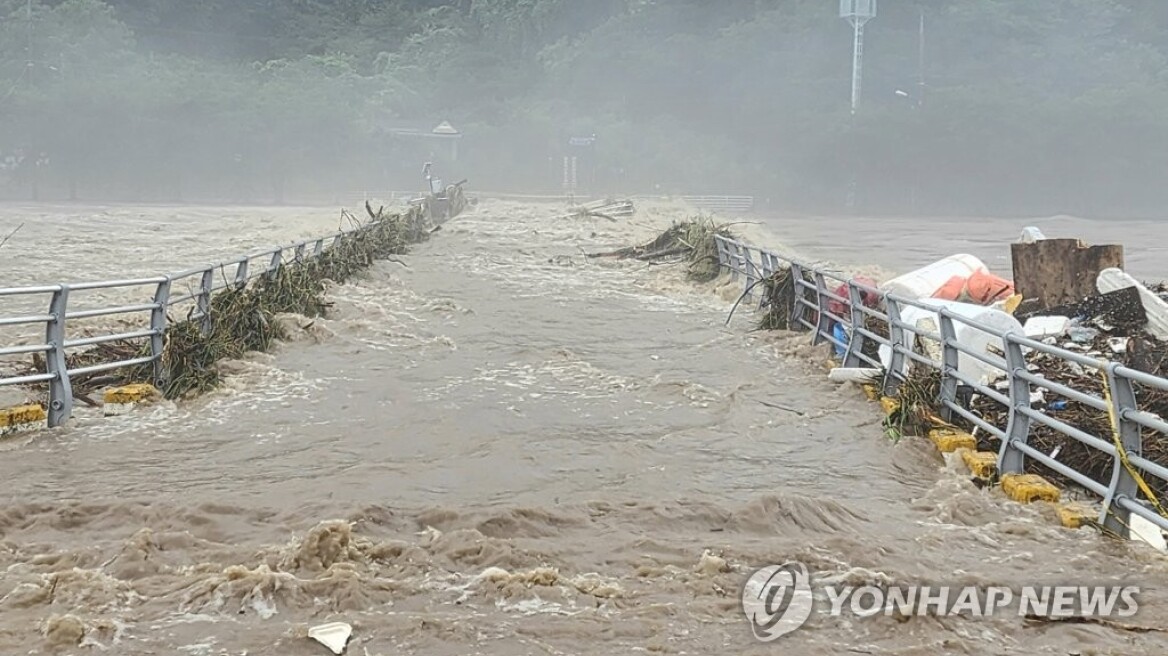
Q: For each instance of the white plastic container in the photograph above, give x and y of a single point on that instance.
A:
(1042, 327)
(968, 336)
(925, 282)
(857, 375)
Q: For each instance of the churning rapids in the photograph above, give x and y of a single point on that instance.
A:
(497, 400)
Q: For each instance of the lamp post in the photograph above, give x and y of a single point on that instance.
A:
(858, 13)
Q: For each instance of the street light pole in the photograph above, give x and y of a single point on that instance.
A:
(921, 65)
(858, 13)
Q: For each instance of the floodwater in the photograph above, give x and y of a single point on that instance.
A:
(499, 446)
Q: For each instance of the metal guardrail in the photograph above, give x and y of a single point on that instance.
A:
(709, 203)
(1131, 425)
(722, 203)
(203, 281)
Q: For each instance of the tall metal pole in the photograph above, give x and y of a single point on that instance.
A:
(28, 47)
(921, 65)
(857, 87)
(857, 62)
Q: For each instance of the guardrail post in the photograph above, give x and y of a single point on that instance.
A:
(751, 271)
(277, 260)
(770, 264)
(1123, 484)
(203, 301)
(950, 358)
(158, 326)
(735, 259)
(300, 251)
(318, 248)
(858, 318)
(893, 376)
(241, 273)
(723, 259)
(60, 388)
(823, 321)
(1010, 459)
(798, 310)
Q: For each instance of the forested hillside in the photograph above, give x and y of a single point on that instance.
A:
(1035, 107)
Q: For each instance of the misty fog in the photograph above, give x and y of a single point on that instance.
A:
(1037, 107)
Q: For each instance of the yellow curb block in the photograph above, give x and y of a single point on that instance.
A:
(130, 393)
(983, 464)
(121, 399)
(24, 417)
(889, 404)
(871, 392)
(1072, 515)
(1027, 488)
(949, 440)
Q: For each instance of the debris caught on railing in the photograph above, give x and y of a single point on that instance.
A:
(778, 300)
(241, 314)
(689, 241)
(969, 337)
(1087, 330)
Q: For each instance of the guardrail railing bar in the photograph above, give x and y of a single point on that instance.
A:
(110, 366)
(105, 312)
(112, 284)
(30, 379)
(1010, 459)
(60, 389)
(1137, 508)
(105, 339)
(21, 321)
(28, 291)
(24, 350)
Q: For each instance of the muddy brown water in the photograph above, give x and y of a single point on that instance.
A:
(497, 400)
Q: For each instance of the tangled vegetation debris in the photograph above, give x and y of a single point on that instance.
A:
(689, 241)
(242, 319)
